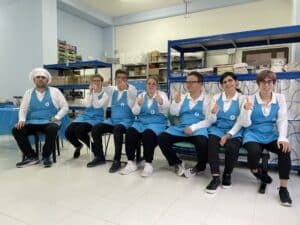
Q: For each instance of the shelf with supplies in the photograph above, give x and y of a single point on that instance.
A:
(136, 71)
(287, 82)
(73, 78)
(157, 62)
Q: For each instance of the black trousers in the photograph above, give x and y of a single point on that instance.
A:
(78, 131)
(166, 141)
(117, 130)
(49, 130)
(133, 139)
(231, 147)
(254, 153)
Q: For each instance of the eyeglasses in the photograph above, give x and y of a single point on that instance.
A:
(96, 80)
(192, 81)
(267, 82)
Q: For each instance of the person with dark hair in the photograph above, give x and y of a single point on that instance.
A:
(123, 97)
(264, 116)
(151, 110)
(41, 110)
(96, 102)
(225, 131)
(192, 127)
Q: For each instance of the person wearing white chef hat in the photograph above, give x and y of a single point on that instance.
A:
(41, 110)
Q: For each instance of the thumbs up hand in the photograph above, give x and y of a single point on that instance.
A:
(248, 104)
(215, 109)
(140, 100)
(158, 98)
(178, 97)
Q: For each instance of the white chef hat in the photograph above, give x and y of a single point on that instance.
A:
(40, 72)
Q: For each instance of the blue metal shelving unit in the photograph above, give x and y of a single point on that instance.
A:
(272, 36)
(61, 67)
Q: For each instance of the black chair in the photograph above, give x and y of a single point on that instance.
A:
(38, 145)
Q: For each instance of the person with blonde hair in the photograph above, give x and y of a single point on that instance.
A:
(151, 110)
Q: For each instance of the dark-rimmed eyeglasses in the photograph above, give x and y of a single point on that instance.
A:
(267, 82)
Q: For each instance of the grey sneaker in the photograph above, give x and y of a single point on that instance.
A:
(191, 172)
(47, 162)
(27, 162)
(179, 169)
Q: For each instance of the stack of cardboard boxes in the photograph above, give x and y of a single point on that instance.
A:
(67, 53)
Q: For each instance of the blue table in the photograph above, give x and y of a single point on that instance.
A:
(9, 117)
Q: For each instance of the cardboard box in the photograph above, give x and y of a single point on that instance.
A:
(154, 56)
(153, 71)
(220, 69)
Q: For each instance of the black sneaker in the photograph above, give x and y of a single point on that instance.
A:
(285, 196)
(263, 176)
(27, 161)
(213, 185)
(47, 162)
(226, 181)
(77, 152)
(96, 162)
(116, 165)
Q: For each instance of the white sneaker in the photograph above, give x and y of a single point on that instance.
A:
(189, 173)
(129, 168)
(148, 170)
(179, 169)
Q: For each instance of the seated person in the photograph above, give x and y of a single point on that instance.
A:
(225, 131)
(123, 97)
(151, 109)
(264, 116)
(96, 102)
(192, 126)
(41, 110)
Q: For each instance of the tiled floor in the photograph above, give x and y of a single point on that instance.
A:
(69, 193)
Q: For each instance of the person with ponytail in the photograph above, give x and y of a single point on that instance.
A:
(225, 131)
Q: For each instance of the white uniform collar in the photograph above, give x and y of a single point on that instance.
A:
(260, 101)
(200, 98)
(235, 97)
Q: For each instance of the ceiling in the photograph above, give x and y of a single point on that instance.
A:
(116, 8)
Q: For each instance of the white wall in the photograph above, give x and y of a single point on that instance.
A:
(20, 44)
(137, 39)
(49, 10)
(86, 36)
